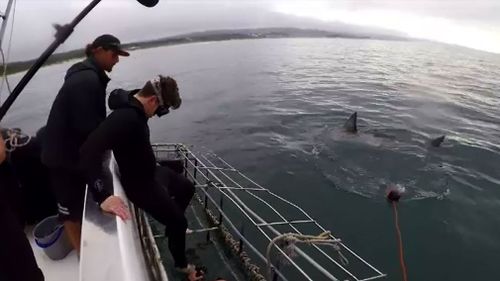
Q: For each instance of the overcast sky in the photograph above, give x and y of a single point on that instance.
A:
(474, 23)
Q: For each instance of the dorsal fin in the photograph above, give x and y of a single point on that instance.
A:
(437, 141)
(351, 125)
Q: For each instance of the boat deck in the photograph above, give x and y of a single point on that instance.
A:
(61, 270)
(111, 249)
(229, 209)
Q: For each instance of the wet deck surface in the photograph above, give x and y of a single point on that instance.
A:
(66, 269)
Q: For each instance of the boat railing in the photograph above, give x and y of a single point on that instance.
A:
(114, 250)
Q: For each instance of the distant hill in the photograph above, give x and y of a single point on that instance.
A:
(206, 36)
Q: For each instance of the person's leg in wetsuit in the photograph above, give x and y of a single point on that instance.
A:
(17, 261)
(160, 205)
(178, 186)
(69, 189)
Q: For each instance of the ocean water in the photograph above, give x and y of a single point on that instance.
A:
(274, 108)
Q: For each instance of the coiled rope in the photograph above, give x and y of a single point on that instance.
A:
(287, 242)
(15, 138)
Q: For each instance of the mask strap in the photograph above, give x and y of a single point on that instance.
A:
(156, 82)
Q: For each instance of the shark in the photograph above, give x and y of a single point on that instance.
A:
(351, 127)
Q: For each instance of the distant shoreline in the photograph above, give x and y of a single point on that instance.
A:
(206, 36)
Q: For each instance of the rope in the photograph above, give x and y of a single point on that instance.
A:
(15, 138)
(289, 240)
(400, 241)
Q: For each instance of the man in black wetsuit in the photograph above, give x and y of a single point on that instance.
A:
(159, 191)
(79, 107)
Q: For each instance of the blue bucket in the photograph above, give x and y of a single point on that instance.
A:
(50, 236)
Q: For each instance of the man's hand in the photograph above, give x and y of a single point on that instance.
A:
(115, 205)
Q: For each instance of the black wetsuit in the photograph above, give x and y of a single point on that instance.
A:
(38, 200)
(125, 131)
(17, 261)
(80, 106)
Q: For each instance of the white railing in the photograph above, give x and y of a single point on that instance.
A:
(114, 250)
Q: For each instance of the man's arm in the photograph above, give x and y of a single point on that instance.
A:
(116, 127)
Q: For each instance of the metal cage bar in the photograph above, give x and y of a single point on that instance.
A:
(227, 180)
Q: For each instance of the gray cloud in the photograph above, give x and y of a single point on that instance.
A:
(481, 11)
(131, 22)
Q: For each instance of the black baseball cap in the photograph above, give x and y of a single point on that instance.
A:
(110, 42)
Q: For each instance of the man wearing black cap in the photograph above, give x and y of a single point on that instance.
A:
(78, 109)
